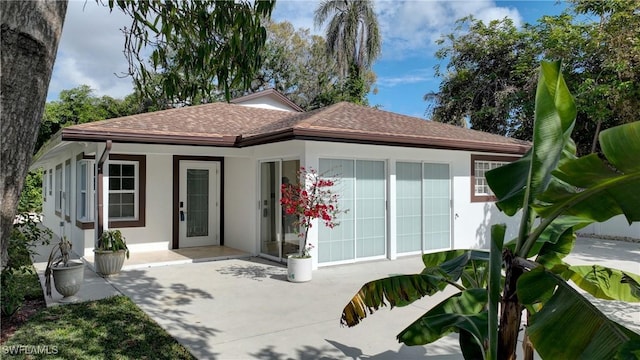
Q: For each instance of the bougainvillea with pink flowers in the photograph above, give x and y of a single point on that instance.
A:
(309, 199)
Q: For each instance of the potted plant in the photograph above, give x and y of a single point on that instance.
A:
(68, 275)
(309, 199)
(110, 253)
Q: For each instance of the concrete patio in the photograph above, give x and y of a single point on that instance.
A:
(245, 308)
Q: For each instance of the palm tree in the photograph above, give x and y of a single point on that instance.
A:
(353, 35)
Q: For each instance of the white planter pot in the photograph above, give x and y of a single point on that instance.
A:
(299, 269)
(68, 279)
(109, 263)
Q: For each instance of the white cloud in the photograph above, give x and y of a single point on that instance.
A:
(412, 77)
(90, 51)
(411, 27)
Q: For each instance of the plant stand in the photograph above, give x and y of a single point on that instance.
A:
(299, 269)
(109, 263)
(68, 279)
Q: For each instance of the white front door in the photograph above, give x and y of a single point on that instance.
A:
(199, 203)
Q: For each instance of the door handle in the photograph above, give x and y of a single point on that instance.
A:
(181, 215)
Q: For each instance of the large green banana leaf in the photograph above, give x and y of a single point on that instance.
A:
(592, 188)
(586, 332)
(464, 311)
(517, 185)
(604, 283)
(441, 269)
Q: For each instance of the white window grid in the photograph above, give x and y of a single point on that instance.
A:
(481, 167)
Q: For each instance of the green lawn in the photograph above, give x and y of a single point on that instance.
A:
(113, 328)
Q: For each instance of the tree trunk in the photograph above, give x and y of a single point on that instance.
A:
(511, 311)
(527, 346)
(31, 31)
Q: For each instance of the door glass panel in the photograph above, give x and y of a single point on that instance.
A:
(370, 209)
(269, 182)
(339, 243)
(436, 204)
(291, 243)
(197, 202)
(408, 207)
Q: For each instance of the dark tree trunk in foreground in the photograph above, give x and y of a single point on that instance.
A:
(510, 311)
(31, 31)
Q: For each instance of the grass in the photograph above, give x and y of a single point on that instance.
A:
(113, 328)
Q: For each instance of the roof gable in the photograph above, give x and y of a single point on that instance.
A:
(267, 99)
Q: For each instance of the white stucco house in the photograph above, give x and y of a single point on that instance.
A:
(210, 175)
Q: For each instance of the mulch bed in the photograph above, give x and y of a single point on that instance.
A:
(12, 324)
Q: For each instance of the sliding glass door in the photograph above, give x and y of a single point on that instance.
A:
(423, 207)
(278, 236)
(361, 233)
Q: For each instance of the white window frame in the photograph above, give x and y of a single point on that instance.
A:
(135, 191)
(86, 167)
(478, 179)
(58, 185)
(66, 195)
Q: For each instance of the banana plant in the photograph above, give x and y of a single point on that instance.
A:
(555, 193)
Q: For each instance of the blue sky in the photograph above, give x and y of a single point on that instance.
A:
(90, 51)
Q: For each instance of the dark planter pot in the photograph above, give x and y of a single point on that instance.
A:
(109, 263)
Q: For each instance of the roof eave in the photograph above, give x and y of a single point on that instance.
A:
(377, 139)
(136, 138)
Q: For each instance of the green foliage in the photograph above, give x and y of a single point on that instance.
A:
(354, 41)
(79, 106)
(297, 64)
(353, 35)
(592, 334)
(491, 68)
(113, 328)
(201, 47)
(488, 78)
(555, 192)
(112, 240)
(24, 236)
(31, 196)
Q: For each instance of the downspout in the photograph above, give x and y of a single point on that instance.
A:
(99, 187)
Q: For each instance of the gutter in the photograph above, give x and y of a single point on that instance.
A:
(99, 187)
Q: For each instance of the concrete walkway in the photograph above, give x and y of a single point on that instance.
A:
(245, 308)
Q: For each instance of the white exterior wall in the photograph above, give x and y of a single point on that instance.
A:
(471, 222)
(50, 219)
(614, 227)
(240, 199)
(157, 232)
(266, 102)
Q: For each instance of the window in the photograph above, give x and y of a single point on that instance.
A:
(50, 182)
(67, 190)
(127, 181)
(58, 184)
(85, 186)
(122, 191)
(480, 164)
(44, 185)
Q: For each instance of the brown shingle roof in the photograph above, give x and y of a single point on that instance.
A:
(222, 124)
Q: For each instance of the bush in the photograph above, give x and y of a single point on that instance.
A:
(24, 236)
(31, 196)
